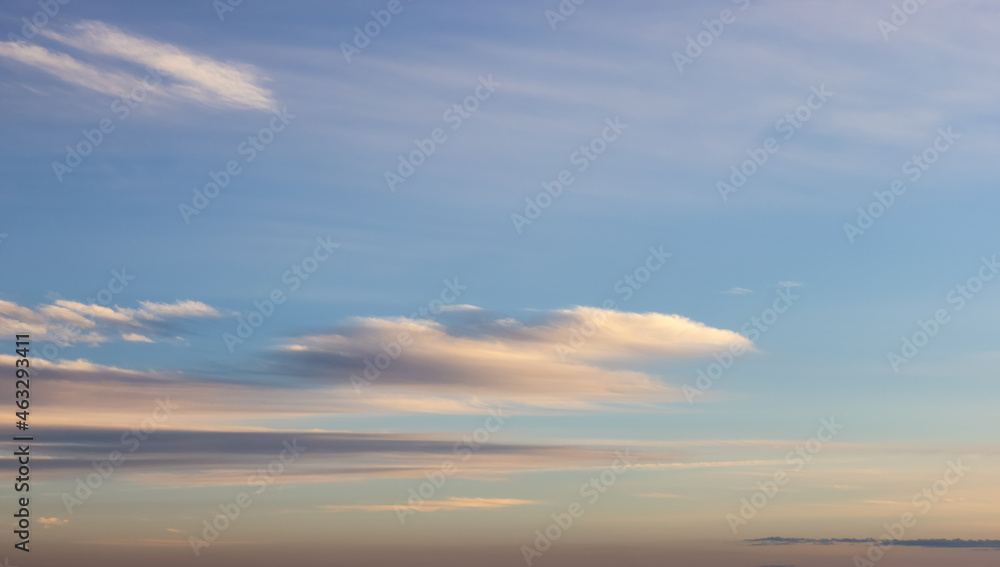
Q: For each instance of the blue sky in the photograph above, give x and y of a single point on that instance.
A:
(326, 128)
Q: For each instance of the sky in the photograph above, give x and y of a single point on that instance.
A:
(522, 283)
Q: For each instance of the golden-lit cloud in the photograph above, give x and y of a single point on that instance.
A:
(574, 357)
(453, 503)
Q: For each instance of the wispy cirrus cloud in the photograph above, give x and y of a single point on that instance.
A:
(65, 67)
(453, 503)
(186, 76)
(946, 543)
(662, 495)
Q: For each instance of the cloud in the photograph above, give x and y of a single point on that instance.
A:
(71, 322)
(60, 313)
(184, 75)
(214, 457)
(15, 311)
(69, 69)
(550, 363)
(789, 284)
(620, 335)
(952, 543)
(110, 314)
(135, 337)
(662, 495)
(80, 389)
(453, 503)
(738, 291)
(707, 465)
(466, 364)
(52, 521)
(186, 308)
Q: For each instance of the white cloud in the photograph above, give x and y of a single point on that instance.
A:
(68, 322)
(15, 311)
(69, 69)
(115, 314)
(63, 314)
(621, 335)
(185, 75)
(198, 77)
(137, 338)
(737, 291)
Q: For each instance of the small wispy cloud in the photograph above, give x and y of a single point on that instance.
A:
(453, 503)
(185, 308)
(707, 464)
(181, 74)
(136, 338)
(943, 543)
(68, 69)
(737, 291)
(662, 495)
(789, 284)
